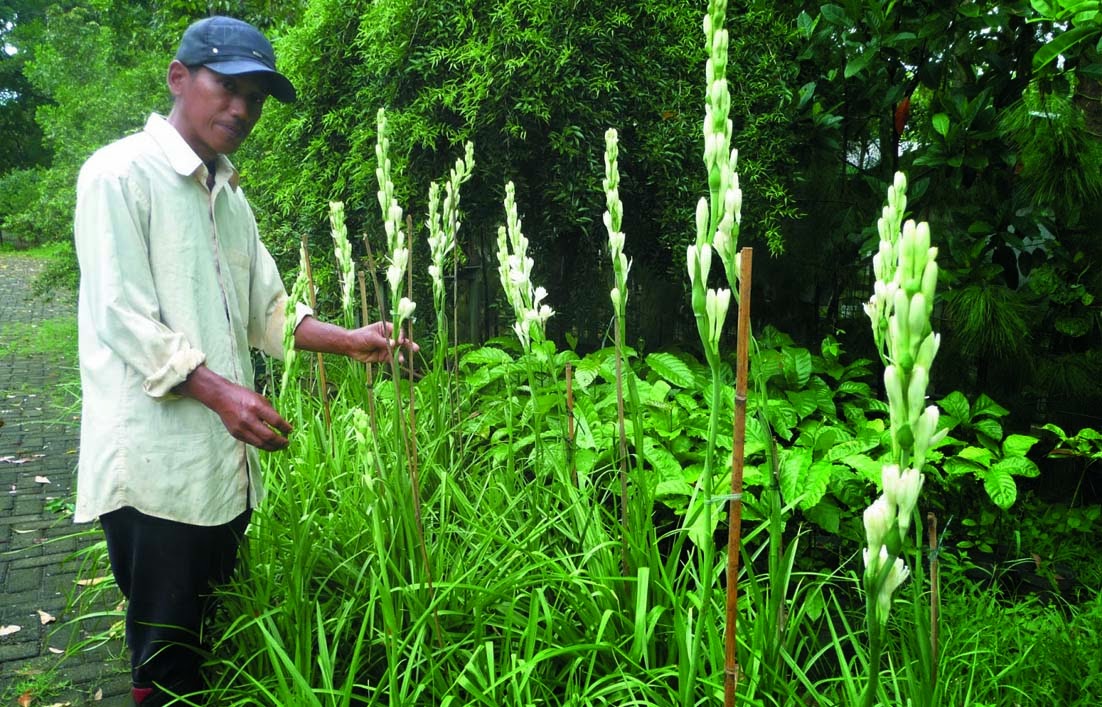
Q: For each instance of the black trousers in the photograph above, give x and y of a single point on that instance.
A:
(166, 571)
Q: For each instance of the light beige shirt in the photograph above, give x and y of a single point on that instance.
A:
(173, 275)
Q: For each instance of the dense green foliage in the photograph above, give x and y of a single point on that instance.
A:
(521, 593)
(534, 85)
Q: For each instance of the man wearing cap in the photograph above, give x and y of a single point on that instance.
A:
(176, 288)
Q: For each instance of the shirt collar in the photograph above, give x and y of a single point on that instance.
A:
(180, 155)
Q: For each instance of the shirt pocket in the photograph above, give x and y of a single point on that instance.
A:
(239, 276)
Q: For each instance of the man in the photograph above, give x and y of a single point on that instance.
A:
(176, 288)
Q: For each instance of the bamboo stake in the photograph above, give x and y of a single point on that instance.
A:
(734, 533)
(570, 424)
(322, 385)
(935, 600)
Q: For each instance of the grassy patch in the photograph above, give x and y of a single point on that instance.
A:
(56, 337)
(35, 686)
(46, 251)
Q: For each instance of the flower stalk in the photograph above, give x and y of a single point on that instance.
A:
(346, 270)
(899, 310)
(613, 220)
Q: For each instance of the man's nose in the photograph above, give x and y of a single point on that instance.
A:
(239, 108)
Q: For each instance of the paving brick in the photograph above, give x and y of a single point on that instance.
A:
(38, 566)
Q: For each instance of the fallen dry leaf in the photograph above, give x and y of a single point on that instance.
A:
(25, 699)
(46, 618)
(91, 582)
(21, 460)
(41, 480)
(9, 630)
(56, 651)
(99, 695)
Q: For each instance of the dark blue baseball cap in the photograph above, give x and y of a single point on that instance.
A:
(229, 46)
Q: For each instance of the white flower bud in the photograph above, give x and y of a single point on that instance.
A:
(929, 280)
(927, 350)
(893, 385)
(406, 307)
(702, 220)
(879, 518)
(895, 578)
(916, 393)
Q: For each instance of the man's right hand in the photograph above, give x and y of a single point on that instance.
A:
(247, 415)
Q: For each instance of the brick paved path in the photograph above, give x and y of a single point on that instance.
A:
(38, 442)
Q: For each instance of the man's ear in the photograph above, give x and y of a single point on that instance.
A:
(178, 75)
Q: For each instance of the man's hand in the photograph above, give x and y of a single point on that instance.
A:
(375, 343)
(247, 415)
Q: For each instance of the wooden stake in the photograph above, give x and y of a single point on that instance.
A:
(734, 533)
(322, 385)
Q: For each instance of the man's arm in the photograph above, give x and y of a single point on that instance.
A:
(370, 344)
(247, 415)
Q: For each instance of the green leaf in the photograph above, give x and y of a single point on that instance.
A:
(986, 406)
(814, 483)
(1056, 430)
(990, 428)
(827, 515)
(486, 356)
(868, 468)
(1060, 44)
(956, 404)
(1018, 466)
(858, 388)
(671, 368)
(797, 366)
(665, 464)
(1042, 8)
(941, 124)
(782, 416)
(1000, 487)
(806, 25)
(585, 371)
(858, 63)
(955, 466)
(793, 468)
(804, 401)
(978, 455)
(835, 15)
(1017, 445)
(845, 450)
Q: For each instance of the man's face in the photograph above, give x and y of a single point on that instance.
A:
(214, 112)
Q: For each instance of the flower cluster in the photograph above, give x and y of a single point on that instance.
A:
(299, 292)
(443, 226)
(719, 215)
(346, 270)
(613, 219)
(397, 250)
(886, 523)
(515, 271)
(720, 159)
(900, 308)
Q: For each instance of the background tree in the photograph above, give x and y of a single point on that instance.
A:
(534, 84)
(1002, 166)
